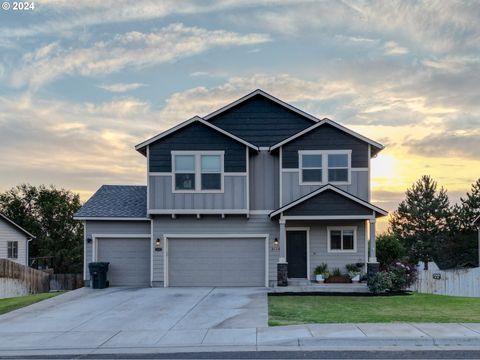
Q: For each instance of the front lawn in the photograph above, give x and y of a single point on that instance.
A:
(14, 303)
(288, 310)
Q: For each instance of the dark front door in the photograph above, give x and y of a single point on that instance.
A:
(297, 254)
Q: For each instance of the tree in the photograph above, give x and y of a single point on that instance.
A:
(47, 213)
(469, 208)
(389, 250)
(421, 219)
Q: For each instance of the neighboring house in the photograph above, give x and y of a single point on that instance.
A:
(249, 195)
(14, 241)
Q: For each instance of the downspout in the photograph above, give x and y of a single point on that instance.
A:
(27, 252)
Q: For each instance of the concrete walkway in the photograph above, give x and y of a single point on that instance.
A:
(141, 320)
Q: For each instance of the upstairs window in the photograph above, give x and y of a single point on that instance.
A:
(12, 249)
(338, 165)
(211, 172)
(318, 167)
(343, 239)
(184, 172)
(197, 171)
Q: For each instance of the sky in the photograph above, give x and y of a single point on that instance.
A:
(83, 82)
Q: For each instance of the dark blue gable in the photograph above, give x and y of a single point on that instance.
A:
(197, 136)
(261, 121)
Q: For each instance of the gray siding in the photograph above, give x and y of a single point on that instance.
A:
(264, 181)
(112, 227)
(292, 190)
(233, 197)
(195, 137)
(325, 137)
(261, 121)
(257, 224)
(9, 233)
(319, 247)
(328, 203)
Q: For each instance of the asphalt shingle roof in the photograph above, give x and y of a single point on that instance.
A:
(122, 201)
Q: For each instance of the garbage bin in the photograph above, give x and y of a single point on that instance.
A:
(98, 274)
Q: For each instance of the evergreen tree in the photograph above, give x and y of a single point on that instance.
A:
(422, 219)
(469, 208)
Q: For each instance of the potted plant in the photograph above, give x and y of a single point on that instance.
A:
(338, 278)
(321, 272)
(354, 271)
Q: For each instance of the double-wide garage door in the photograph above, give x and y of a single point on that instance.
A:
(129, 260)
(216, 262)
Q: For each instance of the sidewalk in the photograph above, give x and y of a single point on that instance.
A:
(283, 338)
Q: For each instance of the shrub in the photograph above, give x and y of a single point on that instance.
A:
(321, 269)
(389, 250)
(380, 282)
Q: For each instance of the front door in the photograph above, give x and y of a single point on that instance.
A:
(297, 254)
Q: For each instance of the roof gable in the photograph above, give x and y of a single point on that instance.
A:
(15, 225)
(329, 201)
(196, 119)
(261, 119)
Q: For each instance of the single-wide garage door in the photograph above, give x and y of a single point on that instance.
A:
(129, 260)
(216, 262)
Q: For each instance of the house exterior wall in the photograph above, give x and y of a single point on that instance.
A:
(234, 195)
(110, 227)
(319, 247)
(261, 121)
(292, 190)
(256, 224)
(195, 137)
(9, 233)
(264, 181)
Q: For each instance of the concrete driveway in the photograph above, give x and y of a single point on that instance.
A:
(114, 317)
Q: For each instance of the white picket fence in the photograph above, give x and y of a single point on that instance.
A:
(460, 282)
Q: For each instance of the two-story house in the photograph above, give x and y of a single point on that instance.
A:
(252, 194)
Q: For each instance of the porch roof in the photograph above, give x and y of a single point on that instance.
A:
(329, 202)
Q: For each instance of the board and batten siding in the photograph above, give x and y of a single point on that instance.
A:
(196, 137)
(234, 195)
(256, 224)
(264, 181)
(319, 246)
(111, 227)
(9, 233)
(292, 190)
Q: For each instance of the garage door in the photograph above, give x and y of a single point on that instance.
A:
(129, 260)
(216, 262)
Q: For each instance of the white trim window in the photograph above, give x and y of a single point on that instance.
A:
(318, 167)
(197, 171)
(342, 239)
(12, 249)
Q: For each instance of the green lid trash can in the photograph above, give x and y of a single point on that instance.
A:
(98, 274)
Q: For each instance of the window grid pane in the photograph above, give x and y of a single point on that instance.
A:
(312, 175)
(338, 161)
(348, 242)
(211, 181)
(312, 161)
(336, 240)
(337, 174)
(184, 163)
(211, 164)
(185, 181)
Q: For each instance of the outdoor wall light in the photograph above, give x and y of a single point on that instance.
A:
(275, 242)
(158, 245)
(89, 240)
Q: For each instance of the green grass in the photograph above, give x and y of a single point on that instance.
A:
(289, 310)
(14, 303)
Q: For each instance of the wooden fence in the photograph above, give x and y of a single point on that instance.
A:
(66, 281)
(459, 282)
(34, 281)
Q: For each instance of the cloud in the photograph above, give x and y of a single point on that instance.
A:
(169, 43)
(392, 48)
(460, 145)
(121, 87)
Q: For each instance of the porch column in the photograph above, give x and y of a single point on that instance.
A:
(373, 266)
(282, 266)
(373, 252)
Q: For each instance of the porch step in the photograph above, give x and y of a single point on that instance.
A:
(299, 282)
(322, 288)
